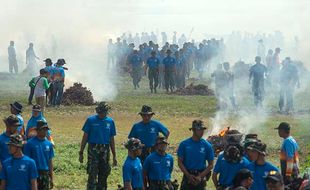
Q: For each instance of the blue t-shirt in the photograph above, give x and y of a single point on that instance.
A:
(135, 60)
(289, 147)
(50, 70)
(201, 151)
(41, 151)
(169, 62)
(99, 130)
(158, 167)
(228, 170)
(147, 133)
(259, 171)
(18, 173)
(4, 148)
(153, 62)
(58, 73)
(21, 123)
(32, 126)
(132, 172)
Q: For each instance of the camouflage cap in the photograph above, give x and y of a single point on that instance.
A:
(198, 124)
(259, 147)
(133, 144)
(103, 107)
(36, 108)
(275, 176)
(146, 110)
(16, 140)
(12, 120)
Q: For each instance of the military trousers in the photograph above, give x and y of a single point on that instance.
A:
(98, 166)
(43, 180)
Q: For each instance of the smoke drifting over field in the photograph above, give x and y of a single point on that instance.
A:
(77, 30)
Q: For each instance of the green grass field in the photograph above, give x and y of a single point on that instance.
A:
(176, 112)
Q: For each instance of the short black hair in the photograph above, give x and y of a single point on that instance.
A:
(42, 71)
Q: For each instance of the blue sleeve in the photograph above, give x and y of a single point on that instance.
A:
(86, 127)
(181, 152)
(127, 175)
(113, 129)
(217, 167)
(33, 170)
(210, 152)
(52, 153)
(132, 133)
(163, 129)
(289, 149)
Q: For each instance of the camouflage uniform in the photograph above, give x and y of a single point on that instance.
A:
(185, 185)
(160, 185)
(43, 180)
(98, 166)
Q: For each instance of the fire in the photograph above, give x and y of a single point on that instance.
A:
(223, 131)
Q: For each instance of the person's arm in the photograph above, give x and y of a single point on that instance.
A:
(214, 179)
(45, 83)
(34, 185)
(184, 170)
(51, 173)
(3, 184)
(83, 144)
(112, 146)
(207, 170)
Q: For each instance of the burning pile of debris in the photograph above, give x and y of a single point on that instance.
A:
(79, 95)
(192, 89)
(226, 136)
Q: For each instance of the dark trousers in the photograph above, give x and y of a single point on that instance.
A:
(160, 185)
(30, 97)
(153, 78)
(169, 80)
(136, 76)
(98, 166)
(58, 88)
(186, 185)
(259, 92)
(43, 180)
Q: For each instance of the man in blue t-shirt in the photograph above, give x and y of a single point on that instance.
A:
(50, 74)
(147, 131)
(259, 167)
(11, 124)
(18, 171)
(152, 64)
(99, 131)
(158, 166)
(170, 70)
(132, 168)
(16, 109)
(58, 82)
(135, 64)
(230, 161)
(192, 156)
(42, 152)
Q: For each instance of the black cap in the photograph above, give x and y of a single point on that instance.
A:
(242, 175)
(146, 110)
(47, 60)
(275, 176)
(41, 124)
(198, 124)
(160, 140)
(12, 120)
(284, 126)
(17, 106)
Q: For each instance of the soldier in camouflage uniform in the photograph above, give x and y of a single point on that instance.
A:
(99, 131)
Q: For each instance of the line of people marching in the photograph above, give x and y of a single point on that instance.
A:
(242, 164)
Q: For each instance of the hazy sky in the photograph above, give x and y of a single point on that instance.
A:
(97, 18)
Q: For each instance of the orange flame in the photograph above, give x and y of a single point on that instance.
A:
(223, 132)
